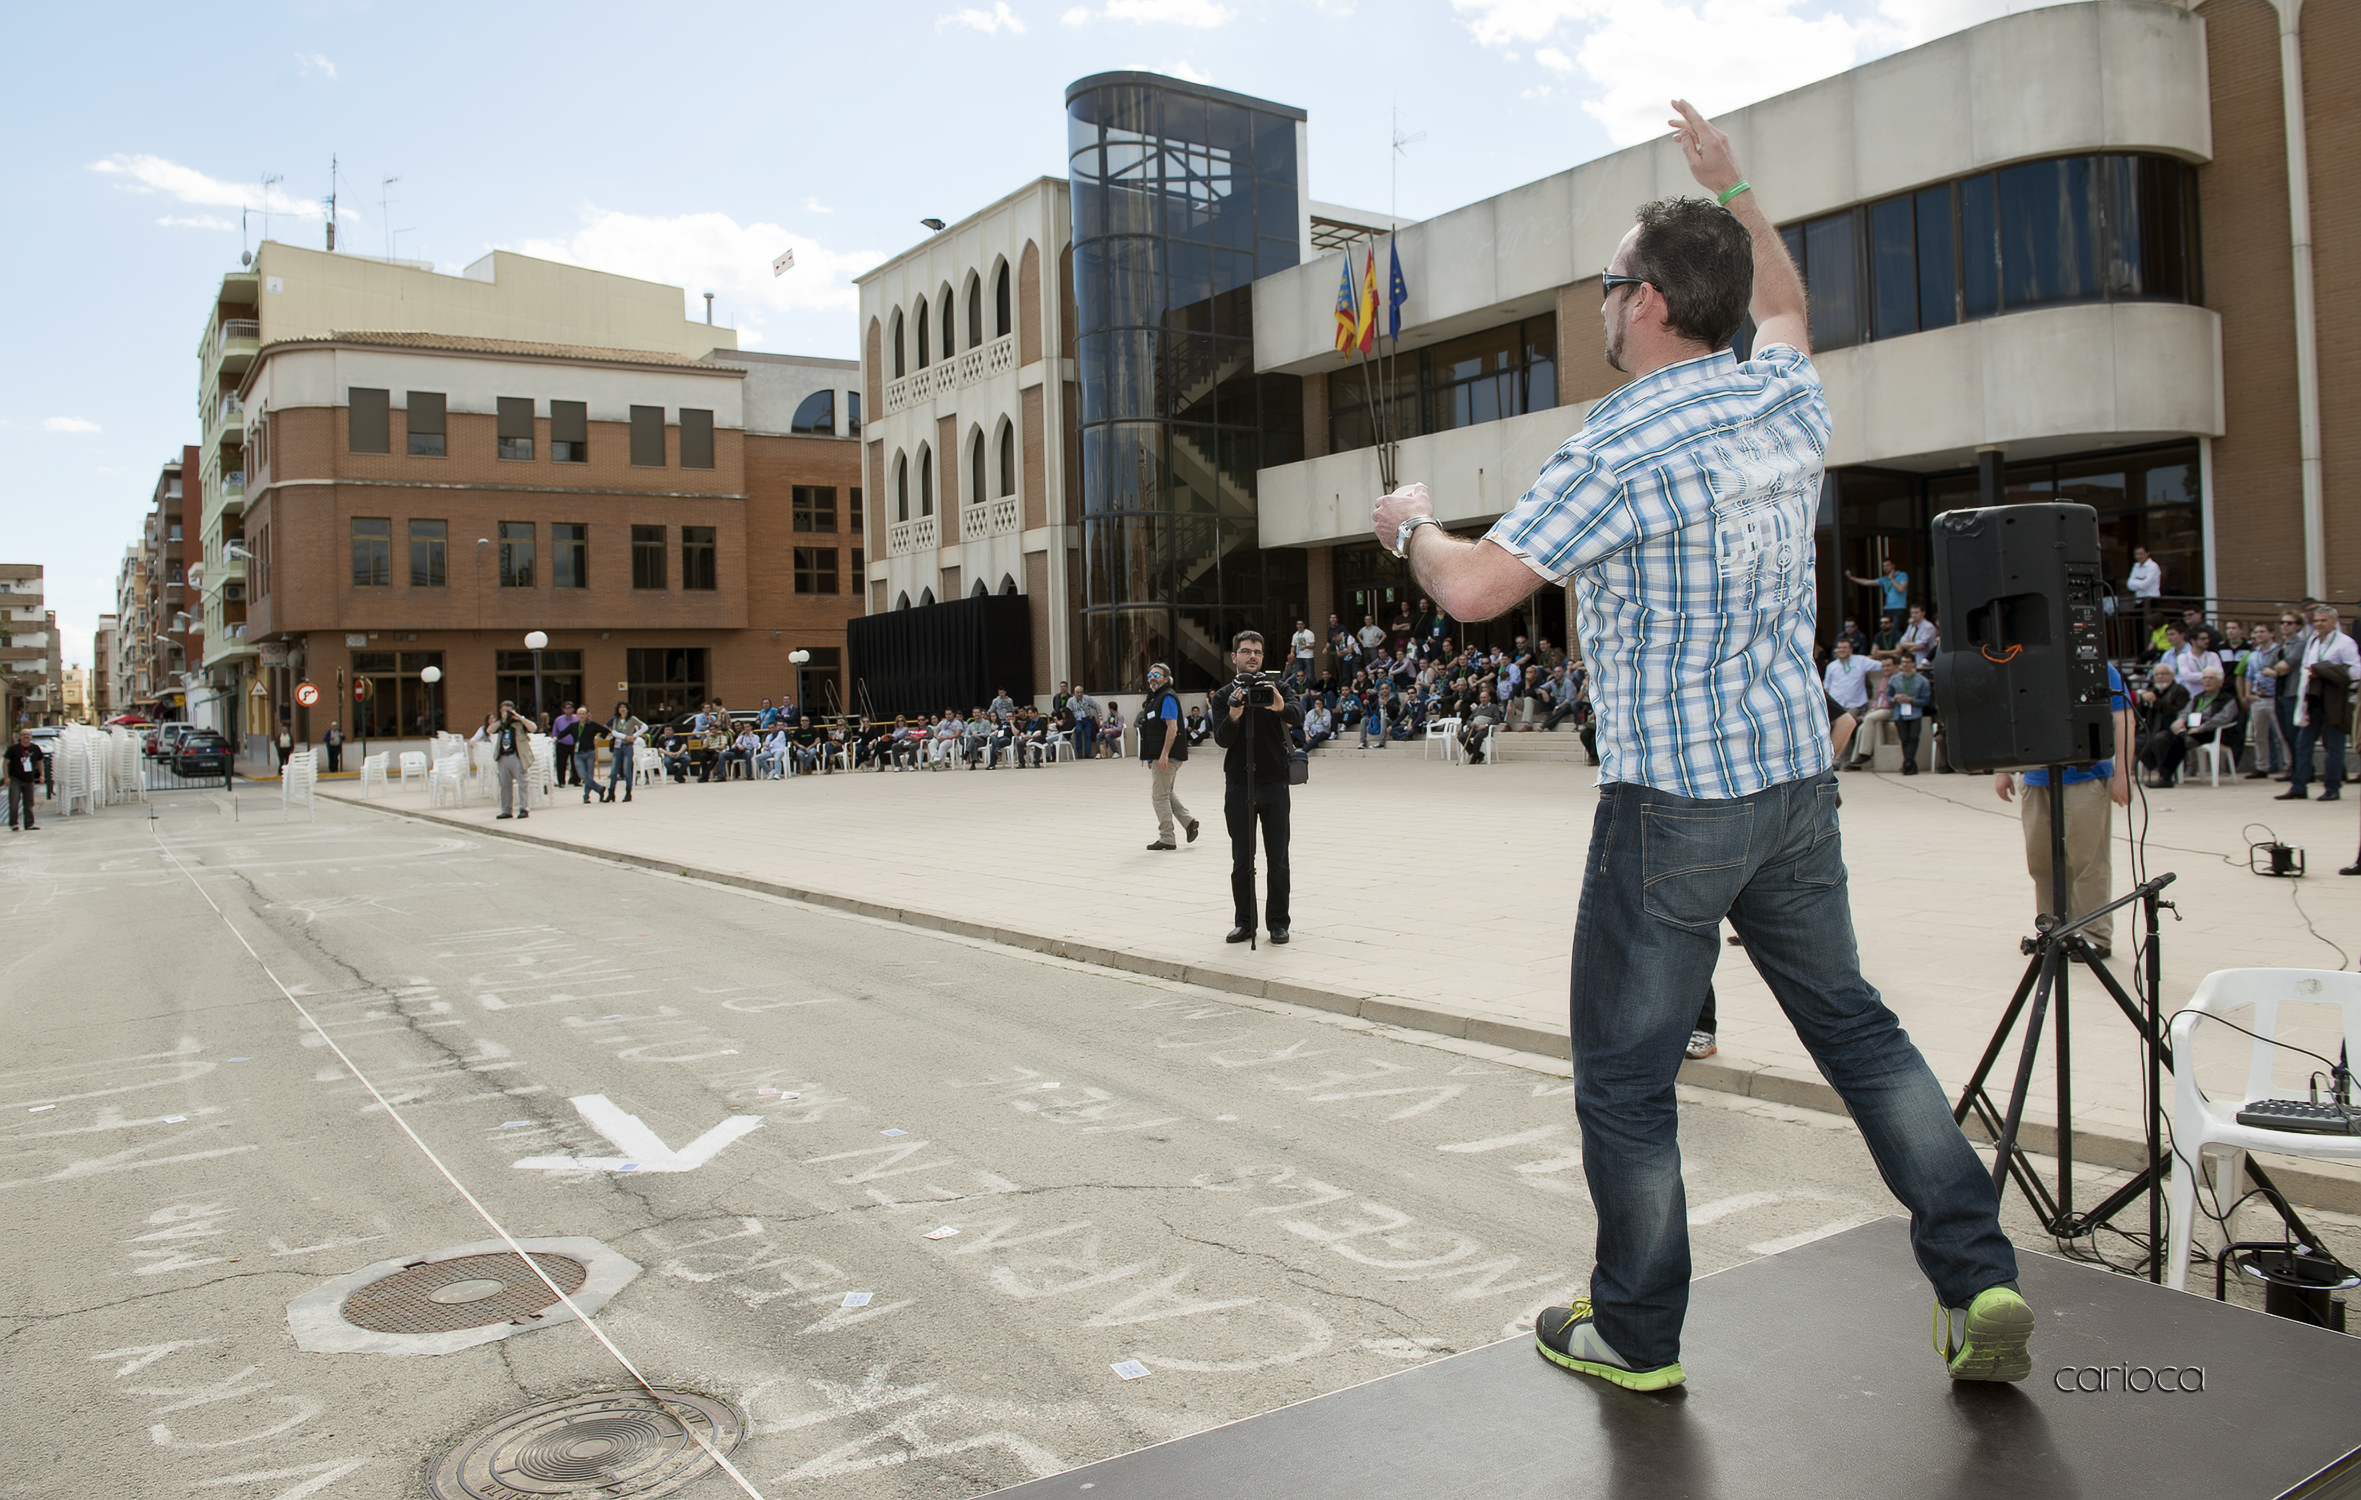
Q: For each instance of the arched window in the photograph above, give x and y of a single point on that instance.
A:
(817, 414)
(922, 342)
(975, 469)
(926, 481)
(950, 330)
(979, 591)
(1008, 585)
(897, 343)
(901, 487)
(1008, 458)
(1000, 318)
(925, 597)
(901, 601)
(975, 311)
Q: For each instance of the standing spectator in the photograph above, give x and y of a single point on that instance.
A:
(2258, 690)
(25, 766)
(2291, 655)
(1164, 747)
(1846, 685)
(2187, 656)
(585, 756)
(2147, 578)
(286, 746)
(2091, 793)
(561, 741)
(2323, 694)
(1372, 635)
(623, 732)
(1894, 587)
(1003, 705)
(511, 733)
(1305, 643)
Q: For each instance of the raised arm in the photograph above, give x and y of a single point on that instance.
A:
(1778, 306)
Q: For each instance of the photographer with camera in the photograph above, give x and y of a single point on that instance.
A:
(1254, 719)
(512, 739)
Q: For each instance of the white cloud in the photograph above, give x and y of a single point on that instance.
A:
(712, 252)
(312, 62)
(1637, 54)
(1076, 16)
(197, 221)
(1201, 13)
(990, 22)
(1169, 70)
(68, 424)
(142, 173)
(815, 206)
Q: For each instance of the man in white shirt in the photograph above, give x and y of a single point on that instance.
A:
(1846, 682)
(1372, 635)
(2323, 698)
(2147, 577)
(1305, 644)
(2190, 660)
(1918, 637)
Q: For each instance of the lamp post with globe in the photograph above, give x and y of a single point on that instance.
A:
(430, 676)
(536, 642)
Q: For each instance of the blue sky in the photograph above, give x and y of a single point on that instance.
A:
(690, 144)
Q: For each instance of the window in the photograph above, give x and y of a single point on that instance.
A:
(696, 557)
(817, 414)
(975, 311)
(647, 557)
(398, 705)
(901, 488)
(924, 347)
(560, 678)
(368, 429)
(815, 507)
(516, 427)
(897, 343)
(926, 481)
(852, 413)
(860, 562)
(647, 437)
(975, 471)
(696, 438)
(372, 552)
(1008, 459)
(664, 682)
(1000, 318)
(429, 556)
(516, 554)
(569, 555)
(949, 347)
(569, 432)
(855, 507)
(815, 570)
(1507, 371)
(425, 424)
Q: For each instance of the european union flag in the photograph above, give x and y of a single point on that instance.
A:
(1397, 292)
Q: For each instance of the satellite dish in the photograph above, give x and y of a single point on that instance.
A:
(245, 257)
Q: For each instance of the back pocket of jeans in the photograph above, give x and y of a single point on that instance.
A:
(1823, 859)
(1693, 861)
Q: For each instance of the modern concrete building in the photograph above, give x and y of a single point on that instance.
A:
(2073, 253)
(31, 671)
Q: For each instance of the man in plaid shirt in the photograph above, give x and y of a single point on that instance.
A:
(1683, 513)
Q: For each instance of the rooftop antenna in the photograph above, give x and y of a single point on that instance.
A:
(332, 204)
(245, 253)
(383, 203)
(1401, 148)
(269, 181)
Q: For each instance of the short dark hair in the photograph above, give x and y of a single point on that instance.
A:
(1701, 259)
(1243, 636)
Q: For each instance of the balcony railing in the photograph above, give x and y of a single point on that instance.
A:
(996, 358)
(912, 536)
(235, 480)
(1001, 516)
(233, 412)
(235, 329)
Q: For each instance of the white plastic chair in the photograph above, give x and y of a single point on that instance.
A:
(373, 772)
(414, 763)
(1444, 731)
(2201, 1126)
(480, 765)
(541, 771)
(2215, 754)
(297, 779)
(448, 778)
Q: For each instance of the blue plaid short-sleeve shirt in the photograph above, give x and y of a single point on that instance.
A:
(1683, 512)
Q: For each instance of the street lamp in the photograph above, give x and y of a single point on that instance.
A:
(536, 641)
(430, 676)
(797, 658)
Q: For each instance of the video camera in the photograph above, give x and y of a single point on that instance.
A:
(1244, 686)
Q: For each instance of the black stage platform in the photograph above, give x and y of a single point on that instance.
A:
(1811, 1373)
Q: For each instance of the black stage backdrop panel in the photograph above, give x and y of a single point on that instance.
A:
(952, 655)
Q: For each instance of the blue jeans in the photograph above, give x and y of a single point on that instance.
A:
(1663, 873)
(586, 769)
(619, 773)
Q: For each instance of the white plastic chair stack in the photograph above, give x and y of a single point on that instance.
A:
(480, 768)
(373, 772)
(2202, 1126)
(128, 782)
(448, 778)
(296, 782)
(541, 774)
(413, 763)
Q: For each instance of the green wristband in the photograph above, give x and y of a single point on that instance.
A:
(1725, 195)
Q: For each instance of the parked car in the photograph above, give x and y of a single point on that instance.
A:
(201, 753)
(164, 737)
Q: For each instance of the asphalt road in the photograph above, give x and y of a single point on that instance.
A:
(1253, 1203)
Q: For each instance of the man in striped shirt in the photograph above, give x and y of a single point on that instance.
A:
(1683, 512)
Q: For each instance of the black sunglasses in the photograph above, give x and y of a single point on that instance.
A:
(1610, 280)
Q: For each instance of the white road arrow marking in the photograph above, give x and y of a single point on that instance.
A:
(644, 1150)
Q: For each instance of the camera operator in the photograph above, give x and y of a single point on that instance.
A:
(1254, 719)
(511, 738)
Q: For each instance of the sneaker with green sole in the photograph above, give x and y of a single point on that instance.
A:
(1567, 1337)
(1989, 1339)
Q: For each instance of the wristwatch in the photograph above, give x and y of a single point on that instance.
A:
(1402, 533)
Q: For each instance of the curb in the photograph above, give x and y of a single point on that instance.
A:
(1770, 1083)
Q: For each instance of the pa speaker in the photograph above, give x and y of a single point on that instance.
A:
(2021, 679)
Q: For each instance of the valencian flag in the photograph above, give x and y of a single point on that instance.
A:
(1396, 294)
(1368, 324)
(1348, 312)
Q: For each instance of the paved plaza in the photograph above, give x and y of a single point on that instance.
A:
(1442, 898)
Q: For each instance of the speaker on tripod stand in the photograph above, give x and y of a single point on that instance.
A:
(2022, 684)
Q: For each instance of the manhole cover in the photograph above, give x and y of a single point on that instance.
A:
(469, 1291)
(615, 1446)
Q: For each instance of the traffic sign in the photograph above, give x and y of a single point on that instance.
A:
(363, 689)
(307, 695)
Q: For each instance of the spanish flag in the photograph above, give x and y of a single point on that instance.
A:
(1365, 330)
(1348, 313)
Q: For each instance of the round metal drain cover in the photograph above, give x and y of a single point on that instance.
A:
(616, 1446)
(469, 1291)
